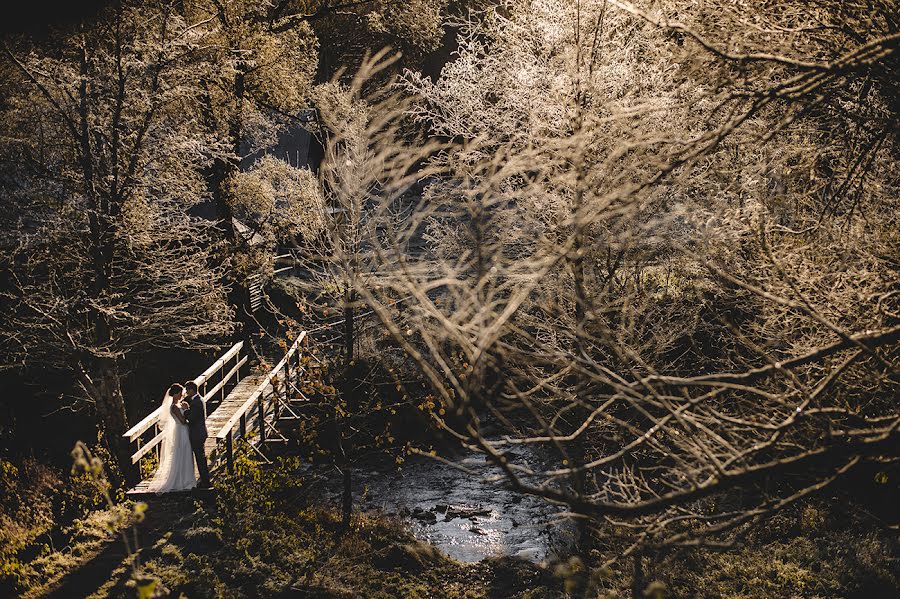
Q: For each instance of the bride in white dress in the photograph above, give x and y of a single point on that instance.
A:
(176, 460)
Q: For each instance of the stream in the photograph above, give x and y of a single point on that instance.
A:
(466, 516)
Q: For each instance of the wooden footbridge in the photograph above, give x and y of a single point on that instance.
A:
(242, 403)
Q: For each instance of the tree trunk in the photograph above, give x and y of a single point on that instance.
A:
(349, 323)
(216, 175)
(113, 420)
(347, 499)
(344, 464)
(239, 294)
(637, 578)
(346, 391)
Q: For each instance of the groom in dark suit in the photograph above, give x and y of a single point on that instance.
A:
(196, 418)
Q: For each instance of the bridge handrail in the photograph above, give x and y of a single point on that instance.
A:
(219, 363)
(228, 427)
(153, 417)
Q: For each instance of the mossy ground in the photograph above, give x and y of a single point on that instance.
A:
(263, 534)
(189, 554)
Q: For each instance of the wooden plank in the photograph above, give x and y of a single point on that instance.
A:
(136, 456)
(224, 380)
(236, 416)
(141, 427)
(231, 405)
(142, 488)
(153, 417)
(219, 363)
(266, 382)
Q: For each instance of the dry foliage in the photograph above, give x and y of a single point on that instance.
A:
(663, 248)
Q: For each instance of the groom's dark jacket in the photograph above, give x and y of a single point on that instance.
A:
(196, 418)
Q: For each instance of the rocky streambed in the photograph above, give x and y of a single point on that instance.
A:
(467, 515)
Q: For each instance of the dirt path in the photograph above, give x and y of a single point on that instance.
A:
(110, 566)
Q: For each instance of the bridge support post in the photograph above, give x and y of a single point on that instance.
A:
(262, 421)
(222, 371)
(276, 400)
(287, 379)
(229, 453)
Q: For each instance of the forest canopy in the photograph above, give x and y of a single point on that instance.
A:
(656, 243)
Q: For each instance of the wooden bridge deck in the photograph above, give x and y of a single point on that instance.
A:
(215, 420)
(246, 412)
(226, 410)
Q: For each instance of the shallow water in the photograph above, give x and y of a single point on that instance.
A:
(466, 516)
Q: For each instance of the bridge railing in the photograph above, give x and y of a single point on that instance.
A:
(290, 257)
(212, 385)
(263, 406)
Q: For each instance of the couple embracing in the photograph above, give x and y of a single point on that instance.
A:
(183, 425)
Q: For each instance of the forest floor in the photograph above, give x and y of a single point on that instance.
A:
(182, 550)
(271, 532)
(199, 546)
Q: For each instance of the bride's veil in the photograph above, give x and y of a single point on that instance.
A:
(166, 445)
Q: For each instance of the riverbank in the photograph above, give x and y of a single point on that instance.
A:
(271, 533)
(258, 535)
(464, 508)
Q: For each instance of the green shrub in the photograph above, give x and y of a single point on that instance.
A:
(797, 553)
(27, 516)
(50, 519)
(263, 537)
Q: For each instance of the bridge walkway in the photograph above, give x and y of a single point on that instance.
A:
(242, 404)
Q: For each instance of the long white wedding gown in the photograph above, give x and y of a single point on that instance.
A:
(176, 460)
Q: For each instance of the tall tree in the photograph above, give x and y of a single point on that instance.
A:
(102, 159)
(667, 234)
(265, 62)
(367, 173)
